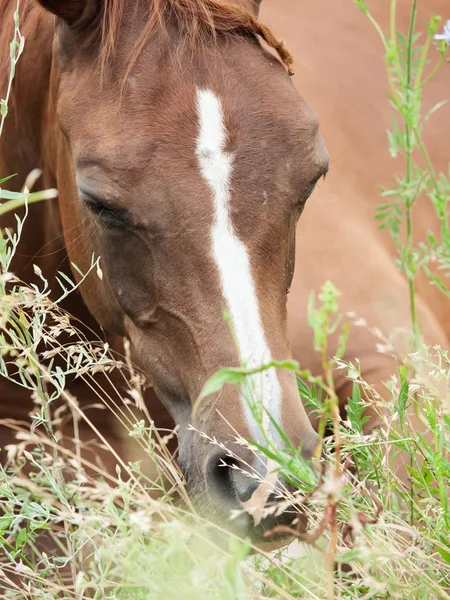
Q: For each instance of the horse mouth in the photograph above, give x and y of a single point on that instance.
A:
(271, 533)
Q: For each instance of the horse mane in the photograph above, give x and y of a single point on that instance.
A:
(200, 22)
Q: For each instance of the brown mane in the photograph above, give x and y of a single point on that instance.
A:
(200, 21)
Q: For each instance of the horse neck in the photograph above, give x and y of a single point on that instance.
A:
(24, 140)
(22, 134)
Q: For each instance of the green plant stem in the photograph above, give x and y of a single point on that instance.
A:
(20, 554)
(25, 199)
(377, 28)
(17, 39)
(408, 207)
(409, 146)
(433, 72)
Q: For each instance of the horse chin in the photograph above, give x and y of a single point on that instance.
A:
(263, 540)
(261, 536)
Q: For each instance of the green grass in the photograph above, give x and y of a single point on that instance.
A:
(71, 529)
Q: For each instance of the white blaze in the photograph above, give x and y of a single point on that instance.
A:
(233, 264)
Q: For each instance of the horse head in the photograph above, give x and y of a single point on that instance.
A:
(184, 157)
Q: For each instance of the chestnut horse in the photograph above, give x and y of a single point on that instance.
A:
(183, 157)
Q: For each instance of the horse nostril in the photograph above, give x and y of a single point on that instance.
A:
(231, 485)
(244, 484)
(228, 482)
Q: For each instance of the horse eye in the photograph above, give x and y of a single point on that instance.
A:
(309, 189)
(103, 211)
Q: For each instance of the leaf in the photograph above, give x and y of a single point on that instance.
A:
(445, 554)
(287, 442)
(343, 339)
(5, 522)
(355, 410)
(37, 271)
(219, 379)
(17, 200)
(21, 538)
(304, 390)
(23, 320)
(403, 400)
(265, 451)
(238, 375)
(7, 178)
(256, 504)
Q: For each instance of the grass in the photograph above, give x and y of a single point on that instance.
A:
(71, 528)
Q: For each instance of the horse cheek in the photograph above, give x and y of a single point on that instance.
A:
(130, 274)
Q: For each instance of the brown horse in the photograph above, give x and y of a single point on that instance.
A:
(341, 70)
(183, 157)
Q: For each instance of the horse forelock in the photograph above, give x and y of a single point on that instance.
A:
(200, 22)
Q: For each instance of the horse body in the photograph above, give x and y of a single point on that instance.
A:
(344, 79)
(244, 151)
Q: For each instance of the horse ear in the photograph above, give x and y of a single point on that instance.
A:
(257, 6)
(70, 11)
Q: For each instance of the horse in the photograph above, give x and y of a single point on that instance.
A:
(184, 157)
(337, 238)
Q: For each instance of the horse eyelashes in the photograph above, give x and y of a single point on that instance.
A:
(309, 190)
(103, 211)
